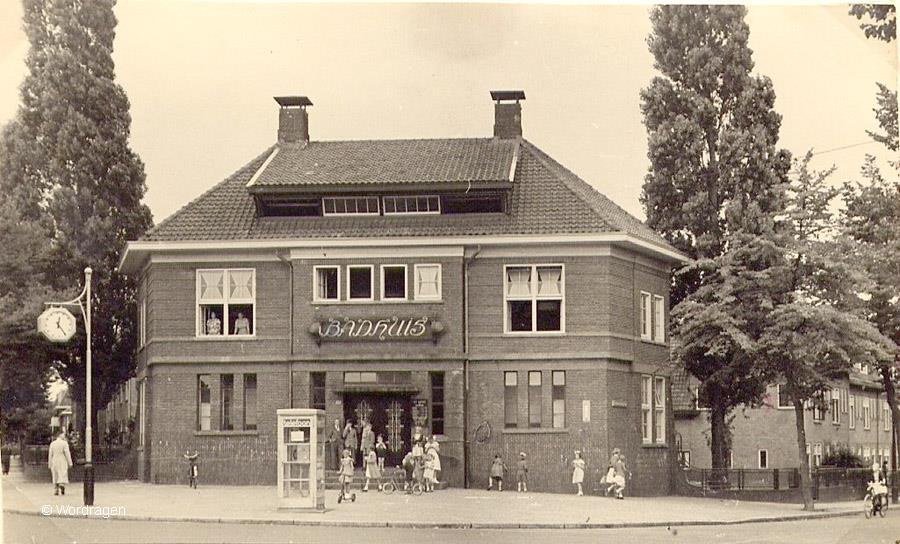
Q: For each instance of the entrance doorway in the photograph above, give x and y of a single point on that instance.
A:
(390, 416)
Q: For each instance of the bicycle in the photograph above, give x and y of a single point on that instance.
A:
(393, 484)
(874, 502)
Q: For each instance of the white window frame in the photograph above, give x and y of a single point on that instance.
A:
(325, 199)
(534, 297)
(416, 286)
(885, 416)
(225, 303)
(316, 269)
(834, 406)
(759, 459)
(142, 325)
(646, 316)
(817, 454)
(659, 318)
(561, 414)
(659, 410)
(142, 425)
(867, 413)
(851, 416)
(396, 198)
(778, 404)
(405, 283)
(371, 282)
(647, 409)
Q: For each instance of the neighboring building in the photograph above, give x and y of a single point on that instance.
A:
(120, 414)
(857, 419)
(472, 286)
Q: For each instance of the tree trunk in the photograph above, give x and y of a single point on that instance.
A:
(891, 395)
(717, 446)
(805, 482)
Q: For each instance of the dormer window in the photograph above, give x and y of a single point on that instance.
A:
(350, 205)
(412, 204)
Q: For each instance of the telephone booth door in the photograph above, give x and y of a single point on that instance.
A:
(301, 459)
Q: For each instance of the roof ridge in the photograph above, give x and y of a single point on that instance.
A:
(369, 140)
(180, 211)
(568, 177)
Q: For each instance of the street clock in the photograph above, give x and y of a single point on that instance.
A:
(57, 324)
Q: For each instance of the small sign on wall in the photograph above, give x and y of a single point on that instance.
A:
(298, 436)
(586, 411)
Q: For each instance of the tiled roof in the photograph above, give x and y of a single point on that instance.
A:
(682, 395)
(546, 199)
(369, 162)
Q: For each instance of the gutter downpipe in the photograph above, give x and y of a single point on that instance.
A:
(465, 317)
(290, 263)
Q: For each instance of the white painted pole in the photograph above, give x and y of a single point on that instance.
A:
(89, 468)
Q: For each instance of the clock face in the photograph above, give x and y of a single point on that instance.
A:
(57, 324)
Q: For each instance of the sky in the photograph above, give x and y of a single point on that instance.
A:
(201, 75)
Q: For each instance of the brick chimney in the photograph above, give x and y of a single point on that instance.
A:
(293, 122)
(507, 113)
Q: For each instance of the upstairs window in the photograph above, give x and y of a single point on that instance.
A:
(646, 299)
(411, 204)
(326, 281)
(478, 203)
(359, 282)
(350, 205)
(393, 282)
(653, 317)
(534, 298)
(226, 302)
(428, 281)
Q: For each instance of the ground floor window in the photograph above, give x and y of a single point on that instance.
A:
(142, 404)
(437, 403)
(510, 399)
(204, 406)
(534, 398)
(559, 399)
(227, 391)
(317, 390)
(763, 459)
(653, 409)
(684, 459)
(250, 402)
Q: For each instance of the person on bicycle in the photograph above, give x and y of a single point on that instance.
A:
(877, 486)
(409, 466)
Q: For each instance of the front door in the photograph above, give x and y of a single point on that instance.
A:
(390, 417)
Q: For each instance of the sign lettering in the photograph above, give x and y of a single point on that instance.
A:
(378, 330)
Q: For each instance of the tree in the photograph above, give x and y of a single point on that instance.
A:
(712, 143)
(881, 20)
(67, 152)
(24, 357)
(813, 336)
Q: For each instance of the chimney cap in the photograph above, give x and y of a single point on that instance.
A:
(508, 95)
(293, 101)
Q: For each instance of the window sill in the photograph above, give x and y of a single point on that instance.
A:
(371, 302)
(654, 342)
(226, 433)
(536, 430)
(229, 338)
(514, 334)
(651, 445)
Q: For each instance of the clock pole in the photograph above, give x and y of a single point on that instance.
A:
(88, 465)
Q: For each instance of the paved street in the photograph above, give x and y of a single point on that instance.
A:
(21, 529)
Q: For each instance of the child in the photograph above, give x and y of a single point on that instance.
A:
(380, 452)
(346, 477)
(429, 472)
(409, 465)
(498, 468)
(611, 470)
(419, 470)
(373, 471)
(522, 473)
(620, 477)
(578, 466)
(193, 473)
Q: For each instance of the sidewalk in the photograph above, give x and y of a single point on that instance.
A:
(451, 508)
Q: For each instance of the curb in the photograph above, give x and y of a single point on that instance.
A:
(450, 525)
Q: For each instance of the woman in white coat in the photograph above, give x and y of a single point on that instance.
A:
(59, 459)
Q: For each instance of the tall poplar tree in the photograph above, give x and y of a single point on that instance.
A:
(67, 156)
(713, 136)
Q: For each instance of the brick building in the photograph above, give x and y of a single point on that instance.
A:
(857, 418)
(473, 287)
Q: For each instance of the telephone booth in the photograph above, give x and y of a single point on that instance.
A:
(301, 459)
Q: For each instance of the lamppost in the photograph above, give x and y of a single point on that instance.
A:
(57, 324)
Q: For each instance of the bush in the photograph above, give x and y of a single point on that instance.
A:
(842, 458)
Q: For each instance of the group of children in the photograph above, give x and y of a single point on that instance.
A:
(615, 477)
(422, 464)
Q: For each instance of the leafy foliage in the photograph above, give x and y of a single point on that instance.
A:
(881, 20)
(67, 157)
(713, 185)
